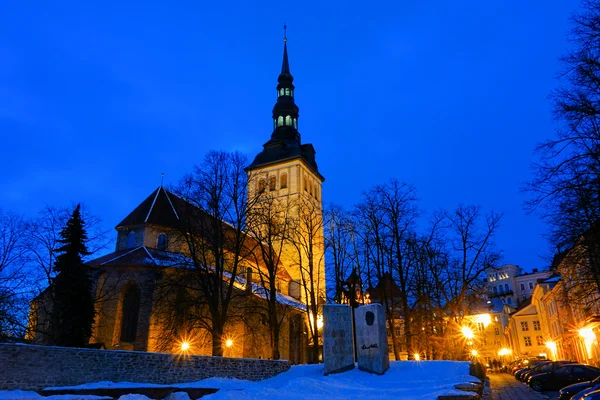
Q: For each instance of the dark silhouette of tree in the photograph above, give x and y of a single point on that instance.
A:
(73, 303)
(566, 186)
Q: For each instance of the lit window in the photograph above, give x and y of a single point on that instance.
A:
(280, 120)
(536, 326)
(272, 183)
(287, 91)
(283, 181)
(288, 120)
(281, 92)
(527, 340)
(296, 123)
(131, 240)
(161, 242)
(524, 326)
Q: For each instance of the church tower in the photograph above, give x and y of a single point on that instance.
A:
(287, 170)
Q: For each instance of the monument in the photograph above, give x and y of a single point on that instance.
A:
(338, 346)
(371, 339)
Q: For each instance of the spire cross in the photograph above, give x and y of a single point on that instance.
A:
(284, 32)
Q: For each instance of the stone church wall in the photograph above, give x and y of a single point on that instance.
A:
(29, 367)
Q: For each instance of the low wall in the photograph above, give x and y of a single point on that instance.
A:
(29, 367)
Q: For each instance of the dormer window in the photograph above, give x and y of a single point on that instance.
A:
(162, 242)
(131, 240)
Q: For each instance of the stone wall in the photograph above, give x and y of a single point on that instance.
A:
(29, 367)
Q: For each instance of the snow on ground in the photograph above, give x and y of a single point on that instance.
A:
(409, 380)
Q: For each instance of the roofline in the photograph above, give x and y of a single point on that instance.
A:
(251, 168)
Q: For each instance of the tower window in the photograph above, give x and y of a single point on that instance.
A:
(131, 240)
(161, 242)
(281, 92)
(280, 120)
(288, 91)
(261, 185)
(288, 120)
(272, 183)
(283, 181)
(296, 123)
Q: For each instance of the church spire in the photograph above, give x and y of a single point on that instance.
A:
(285, 111)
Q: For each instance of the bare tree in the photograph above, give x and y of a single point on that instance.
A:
(213, 239)
(566, 187)
(14, 282)
(308, 240)
(270, 222)
(339, 228)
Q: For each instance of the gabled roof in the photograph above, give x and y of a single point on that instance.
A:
(160, 208)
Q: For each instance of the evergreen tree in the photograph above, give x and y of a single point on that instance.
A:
(73, 313)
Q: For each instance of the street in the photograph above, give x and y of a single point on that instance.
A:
(506, 387)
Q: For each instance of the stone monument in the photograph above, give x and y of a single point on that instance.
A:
(338, 346)
(371, 339)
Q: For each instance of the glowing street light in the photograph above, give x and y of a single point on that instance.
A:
(504, 352)
(589, 337)
(229, 343)
(417, 357)
(474, 353)
(185, 346)
(467, 332)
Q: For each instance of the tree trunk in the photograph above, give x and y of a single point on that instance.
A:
(217, 340)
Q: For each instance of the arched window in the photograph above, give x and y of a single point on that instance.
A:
(296, 123)
(283, 181)
(162, 242)
(509, 300)
(281, 92)
(131, 311)
(272, 183)
(280, 120)
(261, 185)
(288, 120)
(131, 240)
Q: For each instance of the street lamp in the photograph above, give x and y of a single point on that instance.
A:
(467, 332)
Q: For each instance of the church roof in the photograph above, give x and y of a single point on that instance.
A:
(148, 257)
(160, 208)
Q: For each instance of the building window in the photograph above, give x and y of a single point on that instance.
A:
(480, 326)
(288, 120)
(261, 185)
(131, 240)
(296, 123)
(495, 290)
(305, 185)
(272, 183)
(281, 92)
(527, 340)
(131, 310)
(280, 120)
(536, 326)
(283, 181)
(161, 242)
(522, 286)
(540, 340)
(506, 287)
(524, 326)
(530, 285)
(497, 331)
(509, 300)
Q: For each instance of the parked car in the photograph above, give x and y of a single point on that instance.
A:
(520, 375)
(545, 367)
(568, 392)
(563, 376)
(595, 395)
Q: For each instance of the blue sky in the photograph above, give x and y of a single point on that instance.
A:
(96, 101)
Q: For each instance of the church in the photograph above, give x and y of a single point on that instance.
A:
(129, 283)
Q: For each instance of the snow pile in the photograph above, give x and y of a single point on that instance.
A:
(408, 380)
(404, 380)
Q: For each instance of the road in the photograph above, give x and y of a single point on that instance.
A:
(506, 387)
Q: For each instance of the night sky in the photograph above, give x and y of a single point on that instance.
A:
(97, 101)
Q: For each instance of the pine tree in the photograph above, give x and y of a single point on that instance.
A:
(73, 312)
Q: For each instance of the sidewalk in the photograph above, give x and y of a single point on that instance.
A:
(506, 387)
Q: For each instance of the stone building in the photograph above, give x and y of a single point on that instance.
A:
(129, 282)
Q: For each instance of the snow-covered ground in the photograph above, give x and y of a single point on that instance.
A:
(404, 380)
